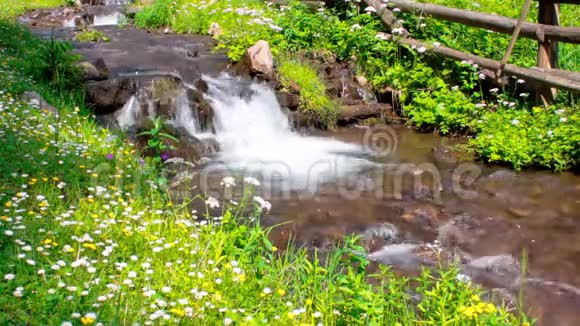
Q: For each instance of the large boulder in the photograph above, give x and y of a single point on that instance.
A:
(94, 71)
(259, 58)
(109, 95)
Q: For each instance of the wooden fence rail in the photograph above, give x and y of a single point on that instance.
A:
(546, 32)
(496, 23)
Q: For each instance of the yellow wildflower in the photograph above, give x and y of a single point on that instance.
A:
(90, 246)
(178, 312)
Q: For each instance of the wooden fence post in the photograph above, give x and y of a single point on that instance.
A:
(549, 14)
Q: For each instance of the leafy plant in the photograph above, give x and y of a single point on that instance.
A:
(159, 15)
(91, 35)
(524, 138)
(157, 139)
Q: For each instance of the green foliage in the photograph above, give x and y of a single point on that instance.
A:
(447, 109)
(436, 93)
(157, 139)
(49, 62)
(91, 35)
(522, 138)
(9, 9)
(159, 15)
(490, 44)
(294, 73)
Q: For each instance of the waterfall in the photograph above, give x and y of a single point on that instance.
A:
(129, 114)
(184, 116)
(255, 137)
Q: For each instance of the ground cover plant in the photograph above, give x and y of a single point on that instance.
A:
(10, 8)
(437, 94)
(89, 236)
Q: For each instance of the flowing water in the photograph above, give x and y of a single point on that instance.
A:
(256, 138)
(387, 180)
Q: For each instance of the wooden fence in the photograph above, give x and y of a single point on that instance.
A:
(547, 32)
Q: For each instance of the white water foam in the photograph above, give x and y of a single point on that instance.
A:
(129, 114)
(255, 138)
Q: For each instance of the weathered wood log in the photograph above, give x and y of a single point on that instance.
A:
(535, 75)
(496, 23)
(346, 113)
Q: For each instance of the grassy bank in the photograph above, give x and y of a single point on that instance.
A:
(438, 94)
(10, 8)
(88, 235)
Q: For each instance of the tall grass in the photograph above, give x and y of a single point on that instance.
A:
(295, 73)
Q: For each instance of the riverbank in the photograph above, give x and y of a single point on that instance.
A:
(89, 234)
(434, 94)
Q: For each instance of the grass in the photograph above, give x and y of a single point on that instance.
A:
(12, 8)
(295, 73)
(91, 35)
(89, 235)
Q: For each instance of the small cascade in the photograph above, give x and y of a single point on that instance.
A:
(185, 117)
(255, 138)
(128, 116)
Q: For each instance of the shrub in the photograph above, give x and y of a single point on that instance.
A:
(159, 15)
(522, 138)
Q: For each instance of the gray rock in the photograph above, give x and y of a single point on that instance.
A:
(385, 231)
(94, 71)
(109, 95)
(37, 101)
(500, 271)
(401, 255)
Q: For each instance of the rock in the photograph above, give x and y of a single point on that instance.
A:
(290, 100)
(520, 211)
(361, 80)
(500, 271)
(259, 58)
(215, 30)
(167, 30)
(37, 101)
(201, 85)
(109, 95)
(94, 72)
(444, 156)
(378, 236)
(401, 255)
(385, 231)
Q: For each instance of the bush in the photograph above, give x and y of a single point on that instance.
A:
(540, 137)
(159, 15)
